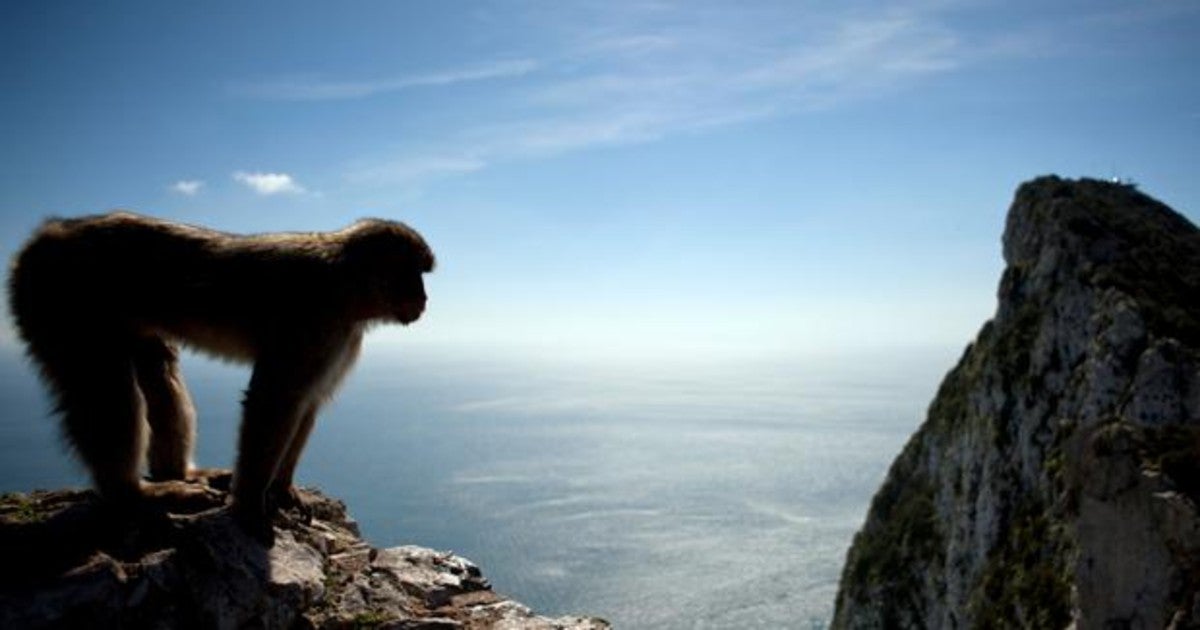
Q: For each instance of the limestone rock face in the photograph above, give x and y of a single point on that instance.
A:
(1056, 478)
(64, 563)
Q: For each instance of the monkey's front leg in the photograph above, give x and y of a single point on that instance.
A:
(284, 393)
(282, 493)
(269, 421)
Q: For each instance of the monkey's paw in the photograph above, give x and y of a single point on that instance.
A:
(287, 498)
(181, 496)
(215, 478)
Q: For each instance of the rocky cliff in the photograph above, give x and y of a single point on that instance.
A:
(64, 563)
(1055, 480)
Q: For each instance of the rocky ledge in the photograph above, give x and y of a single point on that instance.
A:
(68, 564)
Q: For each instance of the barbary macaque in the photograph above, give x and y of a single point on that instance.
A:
(103, 302)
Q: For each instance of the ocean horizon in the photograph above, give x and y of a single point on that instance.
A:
(711, 495)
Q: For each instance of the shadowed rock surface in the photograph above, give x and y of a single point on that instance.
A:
(65, 563)
(1055, 480)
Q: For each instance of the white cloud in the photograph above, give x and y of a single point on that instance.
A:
(269, 183)
(304, 88)
(187, 187)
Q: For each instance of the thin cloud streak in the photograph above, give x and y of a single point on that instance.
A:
(317, 89)
(862, 60)
(418, 169)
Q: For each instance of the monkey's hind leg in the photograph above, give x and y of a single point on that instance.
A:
(102, 413)
(169, 410)
(173, 485)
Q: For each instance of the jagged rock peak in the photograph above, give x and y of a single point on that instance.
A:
(66, 563)
(1101, 215)
(1112, 235)
(1055, 480)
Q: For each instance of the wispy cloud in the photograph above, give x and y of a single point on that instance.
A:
(631, 44)
(187, 187)
(411, 170)
(269, 183)
(613, 82)
(309, 88)
(859, 59)
(635, 73)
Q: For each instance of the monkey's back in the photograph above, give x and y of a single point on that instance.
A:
(128, 272)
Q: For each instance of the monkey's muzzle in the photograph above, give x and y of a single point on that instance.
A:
(410, 312)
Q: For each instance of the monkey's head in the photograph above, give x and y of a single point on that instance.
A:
(383, 263)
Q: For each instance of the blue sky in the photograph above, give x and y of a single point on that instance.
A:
(630, 180)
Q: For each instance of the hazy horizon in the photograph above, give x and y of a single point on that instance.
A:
(608, 179)
(655, 496)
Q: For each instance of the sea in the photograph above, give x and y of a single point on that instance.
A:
(665, 495)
